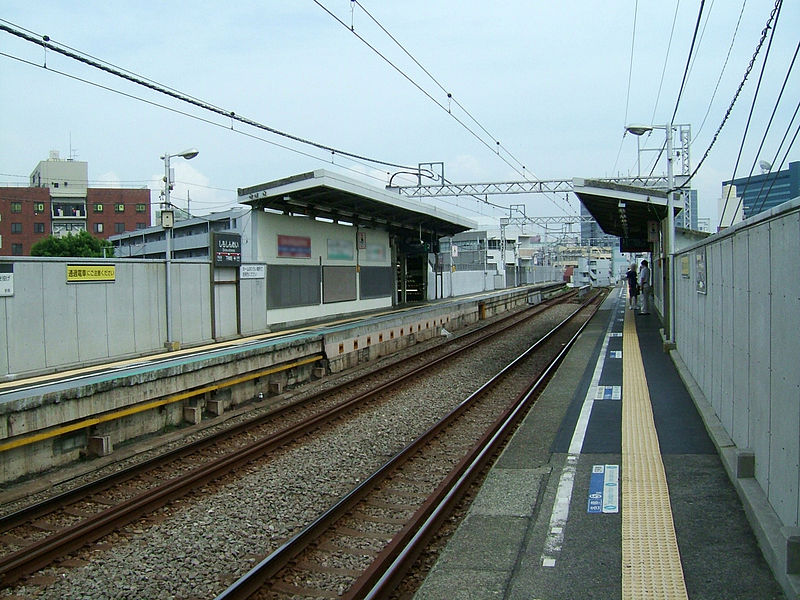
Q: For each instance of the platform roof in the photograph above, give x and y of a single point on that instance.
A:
(622, 210)
(329, 195)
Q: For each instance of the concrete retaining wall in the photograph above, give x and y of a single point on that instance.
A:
(44, 429)
(737, 314)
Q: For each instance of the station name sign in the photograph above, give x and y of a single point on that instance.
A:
(227, 249)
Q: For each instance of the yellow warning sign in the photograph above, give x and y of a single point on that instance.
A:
(90, 273)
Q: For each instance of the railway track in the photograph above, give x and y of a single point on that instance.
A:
(37, 535)
(363, 545)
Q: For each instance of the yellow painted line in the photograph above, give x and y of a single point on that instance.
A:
(651, 562)
(132, 410)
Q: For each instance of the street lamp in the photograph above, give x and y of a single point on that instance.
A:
(669, 247)
(167, 221)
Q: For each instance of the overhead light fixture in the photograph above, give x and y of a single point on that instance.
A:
(639, 129)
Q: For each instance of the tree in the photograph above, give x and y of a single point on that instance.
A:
(84, 244)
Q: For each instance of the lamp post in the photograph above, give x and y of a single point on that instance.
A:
(167, 221)
(669, 246)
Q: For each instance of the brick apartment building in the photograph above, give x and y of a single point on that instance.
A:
(59, 202)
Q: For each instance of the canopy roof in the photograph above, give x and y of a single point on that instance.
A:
(622, 210)
(329, 195)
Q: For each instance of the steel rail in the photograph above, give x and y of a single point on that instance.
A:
(34, 511)
(254, 580)
(35, 556)
(399, 556)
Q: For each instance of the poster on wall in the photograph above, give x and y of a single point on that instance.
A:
(294, 246)
(376, 252)
(685, 267)
(340, 250)
(700, 264)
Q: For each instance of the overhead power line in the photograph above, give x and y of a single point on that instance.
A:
(45, 42)
(764, 33)
(497, 145)
(688, 61)
(722, 71)
(752, 109)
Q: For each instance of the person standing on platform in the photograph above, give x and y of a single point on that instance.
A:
(633, 287)
(644, 284)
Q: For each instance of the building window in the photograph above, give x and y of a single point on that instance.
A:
(38, 207)
(38, 228)
(98, 208)
(16, 228)
(119, 227)
(16, 207)
(98, 228)
(16, 249)
(141, 225)
(141, 207)
(119, 208)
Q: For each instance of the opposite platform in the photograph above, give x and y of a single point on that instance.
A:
(551, 521)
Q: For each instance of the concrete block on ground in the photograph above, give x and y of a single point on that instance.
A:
(192, 414)
(745, 464)
(100, 445)
(215, 407)
(793, 551)
(275, 387)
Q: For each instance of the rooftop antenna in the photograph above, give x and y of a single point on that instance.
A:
(765, 166)
(73, 153)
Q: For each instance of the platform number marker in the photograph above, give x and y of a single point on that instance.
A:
(604, 489)
(609, 392)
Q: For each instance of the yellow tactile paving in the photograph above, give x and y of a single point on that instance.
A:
(651, 562)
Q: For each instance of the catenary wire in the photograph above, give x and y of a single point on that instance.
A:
(749, 68)
(45, 42)
(628, 93)
(752, 107)
(775, 157)
(783, 161)
(187, 114)
(428, 95)
(768, 127)
(666, 61)
(157, 87)
(688, 62)
(722, 71)
(441, 87)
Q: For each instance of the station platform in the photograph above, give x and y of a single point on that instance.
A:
(611, 488)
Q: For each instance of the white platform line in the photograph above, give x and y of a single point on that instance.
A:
(560, 513)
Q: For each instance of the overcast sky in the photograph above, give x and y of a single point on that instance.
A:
(554, 82)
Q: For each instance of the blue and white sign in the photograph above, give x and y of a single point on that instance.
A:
(609, 392)
(604, 489)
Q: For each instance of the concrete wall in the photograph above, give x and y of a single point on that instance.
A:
(738, 339)
(459, 283)
(48, 323)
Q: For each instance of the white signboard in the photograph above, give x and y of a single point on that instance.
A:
(6, 279)
(252, 271)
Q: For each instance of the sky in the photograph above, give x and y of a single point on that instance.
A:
(554, 82)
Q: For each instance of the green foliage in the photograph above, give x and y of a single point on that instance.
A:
(83, 245)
